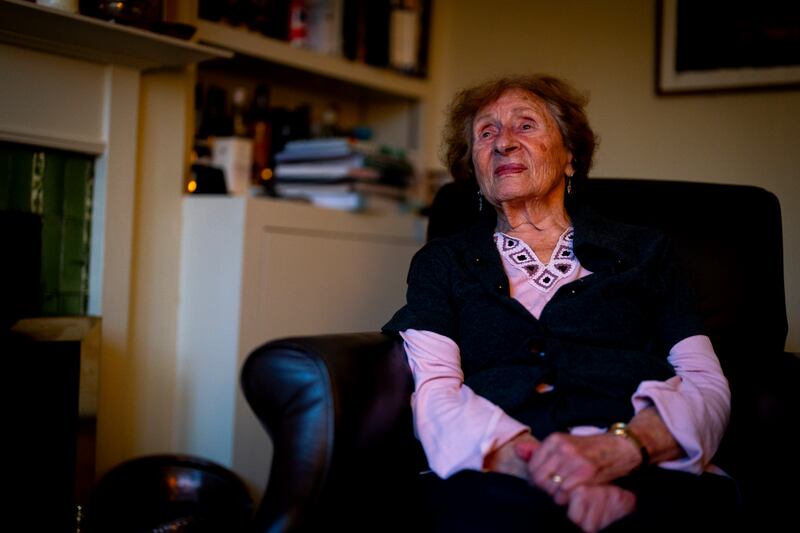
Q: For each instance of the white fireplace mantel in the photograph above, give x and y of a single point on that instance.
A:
(123, 95)
(58, 63)
(58, 32)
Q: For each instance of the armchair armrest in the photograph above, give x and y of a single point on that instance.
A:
(759, 448)
(337, 409)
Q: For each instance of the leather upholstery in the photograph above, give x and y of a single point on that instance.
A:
(337, 409)
(337, 406)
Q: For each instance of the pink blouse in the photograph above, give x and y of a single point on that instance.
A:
(458, 428)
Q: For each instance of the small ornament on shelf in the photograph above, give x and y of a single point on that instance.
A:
(298, 29)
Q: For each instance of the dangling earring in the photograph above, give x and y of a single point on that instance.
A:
(569, 185)
(480, 201)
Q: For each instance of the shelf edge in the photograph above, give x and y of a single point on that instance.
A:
(258, 46)
(55, 31)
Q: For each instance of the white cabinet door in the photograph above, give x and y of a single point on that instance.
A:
(254, 270)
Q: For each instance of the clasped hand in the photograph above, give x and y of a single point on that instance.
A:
(576, 471)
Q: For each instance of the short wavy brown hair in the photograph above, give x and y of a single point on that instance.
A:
(564, 102)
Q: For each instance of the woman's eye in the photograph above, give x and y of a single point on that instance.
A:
(526, 126)
(485, 134)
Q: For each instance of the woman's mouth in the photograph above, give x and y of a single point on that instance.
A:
(510, 168)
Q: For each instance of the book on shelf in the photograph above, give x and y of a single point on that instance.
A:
(333, 158)
(347, 193)
(350, 201)
(313, 149)
(347, 201)
(404, 35)
(310, 187)
(339, 167)
(387, 33)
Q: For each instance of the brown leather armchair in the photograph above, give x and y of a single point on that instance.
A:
(337, 406)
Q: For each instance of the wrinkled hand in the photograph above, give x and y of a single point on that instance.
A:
(593, 508)
(508, 460)
(590, 506)
(563, 462)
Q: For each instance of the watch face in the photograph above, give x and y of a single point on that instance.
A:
(622, 429)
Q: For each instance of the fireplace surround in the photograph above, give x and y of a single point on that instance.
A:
(120, 96)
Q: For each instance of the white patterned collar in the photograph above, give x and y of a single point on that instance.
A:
(542, 276)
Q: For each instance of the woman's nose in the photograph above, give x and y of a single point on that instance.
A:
(505, 142)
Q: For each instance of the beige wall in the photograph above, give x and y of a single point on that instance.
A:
(608, 49)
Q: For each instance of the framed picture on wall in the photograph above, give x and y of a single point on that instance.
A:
(723, 46)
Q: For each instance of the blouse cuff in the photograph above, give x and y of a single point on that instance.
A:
(447, 455)
(679, 417)
(457, 427)
(506, 429)
(694, 405)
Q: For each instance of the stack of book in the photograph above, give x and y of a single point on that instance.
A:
(341, 173)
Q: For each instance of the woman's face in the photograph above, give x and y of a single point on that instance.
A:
(517, 150)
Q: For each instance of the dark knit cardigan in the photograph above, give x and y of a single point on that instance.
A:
(596, 340)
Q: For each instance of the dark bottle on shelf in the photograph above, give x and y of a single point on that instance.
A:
(210, 10)
(260, 16)
(215, 120)
(240, 115)
(199, 107)
(200, 147)
(262, 134)
(268, 17)
(235, 12)
(288, 125)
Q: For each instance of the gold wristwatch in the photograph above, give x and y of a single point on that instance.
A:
(623, 430)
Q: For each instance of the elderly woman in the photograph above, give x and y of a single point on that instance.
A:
(562, 376)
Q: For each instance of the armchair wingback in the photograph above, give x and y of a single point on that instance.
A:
(337, 410)
(337, 406)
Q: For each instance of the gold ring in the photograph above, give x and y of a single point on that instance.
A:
(555, 478)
